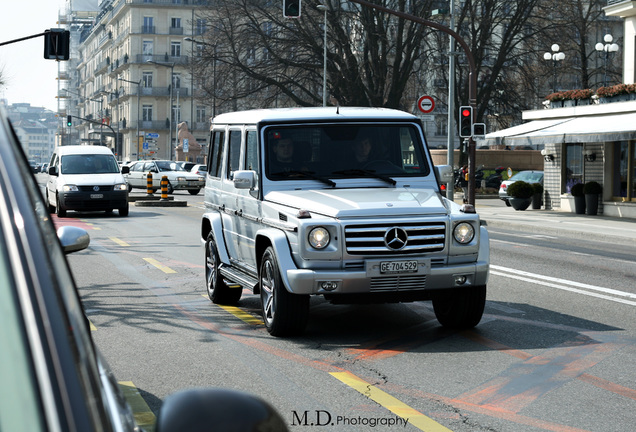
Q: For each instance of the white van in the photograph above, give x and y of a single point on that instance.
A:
(86, 178)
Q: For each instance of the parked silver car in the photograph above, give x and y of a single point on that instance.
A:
(526, 176)
(178, 178)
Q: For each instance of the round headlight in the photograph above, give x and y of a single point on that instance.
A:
(319, 238)
(464, 232)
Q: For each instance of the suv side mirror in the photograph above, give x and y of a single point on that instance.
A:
(244, 179)
(445, 173)
(53, 170)
(219, 409)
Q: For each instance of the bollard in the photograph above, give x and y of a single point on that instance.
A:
(149, 183)
(164, 188)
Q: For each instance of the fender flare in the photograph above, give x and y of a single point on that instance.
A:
(278, 240)
(211, 222)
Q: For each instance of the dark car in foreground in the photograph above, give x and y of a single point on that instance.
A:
(53, 376)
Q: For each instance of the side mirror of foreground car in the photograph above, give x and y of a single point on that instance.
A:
(73, 239)
(219, 410)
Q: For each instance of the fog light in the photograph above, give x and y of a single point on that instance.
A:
(460, 280)
(329, 285)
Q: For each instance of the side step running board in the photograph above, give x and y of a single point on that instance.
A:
(237, 276)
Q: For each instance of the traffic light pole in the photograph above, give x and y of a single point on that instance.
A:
(472, 80)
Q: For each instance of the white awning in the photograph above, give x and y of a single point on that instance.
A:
(582, 129)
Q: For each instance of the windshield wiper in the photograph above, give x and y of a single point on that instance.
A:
(367, 173)
(308, 174)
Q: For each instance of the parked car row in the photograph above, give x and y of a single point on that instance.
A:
(178, 177)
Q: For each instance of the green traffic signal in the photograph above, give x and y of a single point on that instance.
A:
(69, 121)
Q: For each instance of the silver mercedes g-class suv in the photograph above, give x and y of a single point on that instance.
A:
(339, 202)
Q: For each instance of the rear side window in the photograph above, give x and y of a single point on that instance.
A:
(235, 151)
(216, 153)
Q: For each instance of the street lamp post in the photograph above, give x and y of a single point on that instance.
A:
(323, 7)
(608, 47)
(171, 66)
(556, 56)
(138, 119)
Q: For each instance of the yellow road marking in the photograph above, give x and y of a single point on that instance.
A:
(160, 266)
(118, 241)
(394, 405)
(143, 415)
(242, 315)
(91, 325)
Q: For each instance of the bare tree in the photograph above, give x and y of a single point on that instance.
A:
(272, 60)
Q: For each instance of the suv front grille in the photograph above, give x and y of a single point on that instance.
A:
(412, 237)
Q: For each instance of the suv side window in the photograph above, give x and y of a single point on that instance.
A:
(235, 152)
(215, 155)
(251, 152)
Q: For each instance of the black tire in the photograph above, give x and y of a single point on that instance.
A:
(218, 291)
(284, 313)
(460, 308)
(61, 212)
(130, 188)
(194, 191)
(507, 203)
(170, 189)
(50, 206)
(123, 211)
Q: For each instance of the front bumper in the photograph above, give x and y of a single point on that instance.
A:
(369, 280)
(100, 200)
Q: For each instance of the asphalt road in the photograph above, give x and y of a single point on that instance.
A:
(554, 351)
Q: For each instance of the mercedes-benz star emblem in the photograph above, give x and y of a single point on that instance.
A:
(95, 188)
(395, 238)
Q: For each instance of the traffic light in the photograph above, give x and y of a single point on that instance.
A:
(291, 8)
(479, 130)
(69, 121)
(465, 121)
(57, 44)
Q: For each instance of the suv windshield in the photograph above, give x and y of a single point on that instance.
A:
(89, 164)
(344, 151)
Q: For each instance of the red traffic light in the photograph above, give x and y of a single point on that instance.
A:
(465, 121)
(465, 112)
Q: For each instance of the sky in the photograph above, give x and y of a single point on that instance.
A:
(28, 77)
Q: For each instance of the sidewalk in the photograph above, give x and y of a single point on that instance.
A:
(557, 223)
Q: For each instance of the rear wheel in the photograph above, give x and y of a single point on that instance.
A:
(284, 313)
(170, 189)
(460, 308)
(218, 291)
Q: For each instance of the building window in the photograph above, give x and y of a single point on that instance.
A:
(147, 113)
(573, 166)
(149, 25)
(146, 79)
(147, 48)
(175, 49)
(176, 80)
(201, 115)
(200, 26)
(175, 22)
(176, 113)
(624, 168)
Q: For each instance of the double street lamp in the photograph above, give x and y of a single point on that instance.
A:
(556, 56)
(608, 48)
(171, 66)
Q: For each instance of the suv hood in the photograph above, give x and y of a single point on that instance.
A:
(342, 203)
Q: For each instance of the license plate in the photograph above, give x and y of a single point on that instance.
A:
(398, 267)
(97, 196)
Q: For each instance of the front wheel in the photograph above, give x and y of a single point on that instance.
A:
(61, 212)
(123, 211)
(218, 291)
(284, 313)
(460, 308)
(194, 191)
